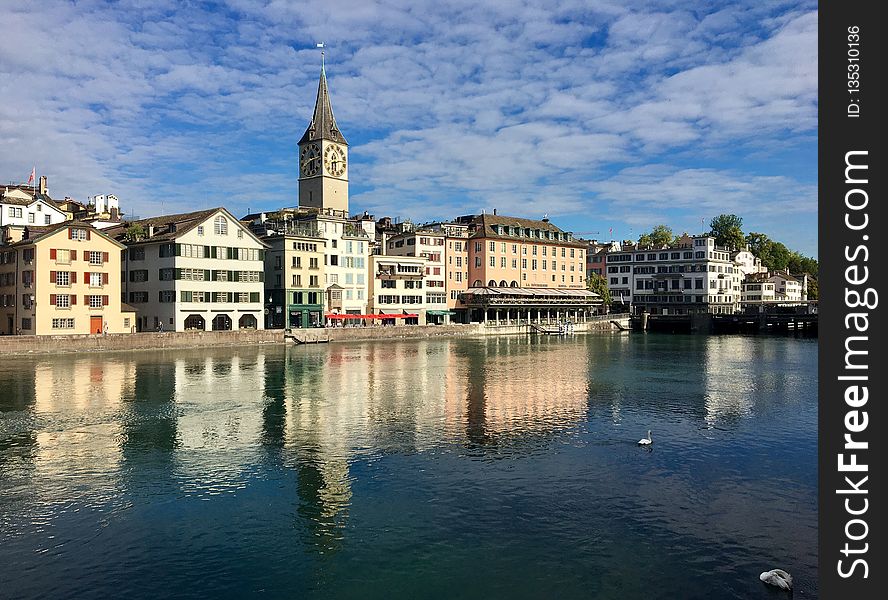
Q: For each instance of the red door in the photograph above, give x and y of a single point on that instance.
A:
(95, 324)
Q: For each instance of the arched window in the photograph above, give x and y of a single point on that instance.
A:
(503, 283)
(477, 283)
(514, 284)
(491, 283)
(221, 225)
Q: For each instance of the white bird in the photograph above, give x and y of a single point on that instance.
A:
(646, 441)
(778, 578)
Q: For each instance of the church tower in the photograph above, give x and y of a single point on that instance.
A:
(323, 158)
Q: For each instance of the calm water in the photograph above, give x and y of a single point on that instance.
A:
(437, 469)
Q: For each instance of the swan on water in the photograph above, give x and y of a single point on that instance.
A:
(646, 441)
(778, 578)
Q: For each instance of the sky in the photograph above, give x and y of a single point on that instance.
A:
(607, 117)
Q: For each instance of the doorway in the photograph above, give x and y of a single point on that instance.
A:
(95, 324)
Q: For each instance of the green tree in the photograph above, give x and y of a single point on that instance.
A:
(598, 284)
(659, 236)
(134, 232)
(727, 231)
(813, 289)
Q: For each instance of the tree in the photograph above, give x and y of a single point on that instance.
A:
(727, 231)
(659, 236)
(598, 284)
(134, 232)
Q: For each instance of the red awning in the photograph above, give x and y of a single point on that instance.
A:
(377, 316)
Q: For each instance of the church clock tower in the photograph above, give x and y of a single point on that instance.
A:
(323, 158)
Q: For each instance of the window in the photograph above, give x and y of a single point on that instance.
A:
(47, 220)
(492, 246)
(63, 278)
(63, 301)
(30, 217)
(167, 296)
(95, 301)
(135, 276)
(79, 234)
(95, 258)
(137, 254)
(492, 261)
(220, 225)
(200, 230)
(63, 323)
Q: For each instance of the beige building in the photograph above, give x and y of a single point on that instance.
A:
(456, 263)
(294, 278)
(397, 287)
(63, 279)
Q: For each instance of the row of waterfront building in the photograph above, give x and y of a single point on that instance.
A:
(68, 267)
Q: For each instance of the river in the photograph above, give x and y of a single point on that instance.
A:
(462, 468)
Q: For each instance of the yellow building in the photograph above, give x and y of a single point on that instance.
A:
(62, 279)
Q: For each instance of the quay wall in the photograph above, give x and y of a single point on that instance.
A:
(57, 344)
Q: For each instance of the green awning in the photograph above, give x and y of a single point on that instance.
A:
(440, 312)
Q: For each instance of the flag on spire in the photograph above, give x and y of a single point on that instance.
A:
(33, 175)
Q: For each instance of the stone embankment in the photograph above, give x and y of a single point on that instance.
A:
(56, 344)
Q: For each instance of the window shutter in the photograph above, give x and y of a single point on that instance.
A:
(104, 279)
(132, 276)
(52, 278)
(207, 275)
(73, 255)
(52, 299)
(74, 299)
(52, 254)
(104, 300)
(74, 277)
(261, 275)
(231, 276)
(70, 233)
(178, 249)
(178, 273)
(87, 235)
(212, 251)
(104, 257)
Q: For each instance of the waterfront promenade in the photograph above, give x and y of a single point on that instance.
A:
(18, 345)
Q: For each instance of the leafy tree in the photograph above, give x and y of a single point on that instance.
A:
(659, 236)
(134, 232)
(598, 284)
(727, 231)
(813, 289)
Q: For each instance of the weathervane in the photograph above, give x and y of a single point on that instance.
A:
(322, 45)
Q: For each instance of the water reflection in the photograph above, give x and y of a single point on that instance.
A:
(316, 452)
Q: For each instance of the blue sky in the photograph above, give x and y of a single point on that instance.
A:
(602, 115)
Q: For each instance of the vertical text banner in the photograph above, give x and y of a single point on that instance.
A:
(853, 167)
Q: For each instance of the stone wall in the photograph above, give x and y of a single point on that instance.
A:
(55, 344)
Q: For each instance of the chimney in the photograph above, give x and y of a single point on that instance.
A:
(494, 212)
(43, 185)
(151, 231)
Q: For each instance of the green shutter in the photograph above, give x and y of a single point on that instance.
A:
(212, 251)
(207, 274)
(231, 276)
(261, 275)
(178, 273)
(178, 249)
(254, 296)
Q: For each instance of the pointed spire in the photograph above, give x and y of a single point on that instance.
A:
(323, 124)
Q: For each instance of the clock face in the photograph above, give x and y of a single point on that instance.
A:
(334, 161)
(310, 160)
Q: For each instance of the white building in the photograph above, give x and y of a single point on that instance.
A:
(692, 276)
(428, 244)
(202, 270)
(20, 205)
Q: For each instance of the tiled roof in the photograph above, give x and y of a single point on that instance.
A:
(184, 222)
(484, 227)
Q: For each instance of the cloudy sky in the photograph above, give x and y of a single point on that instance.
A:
(604, 115)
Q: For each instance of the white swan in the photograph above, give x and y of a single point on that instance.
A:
(778, 578)
(646, 441)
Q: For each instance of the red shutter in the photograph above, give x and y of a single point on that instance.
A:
(104, 300)
(104, 279)
(104, 257)
(70, 233)
(52, 299)
(87, 235)
(86, 255)
(52, 275)
(52, 254)
(73, 299)
(86, 277)
(73, 254)
(73, 276)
